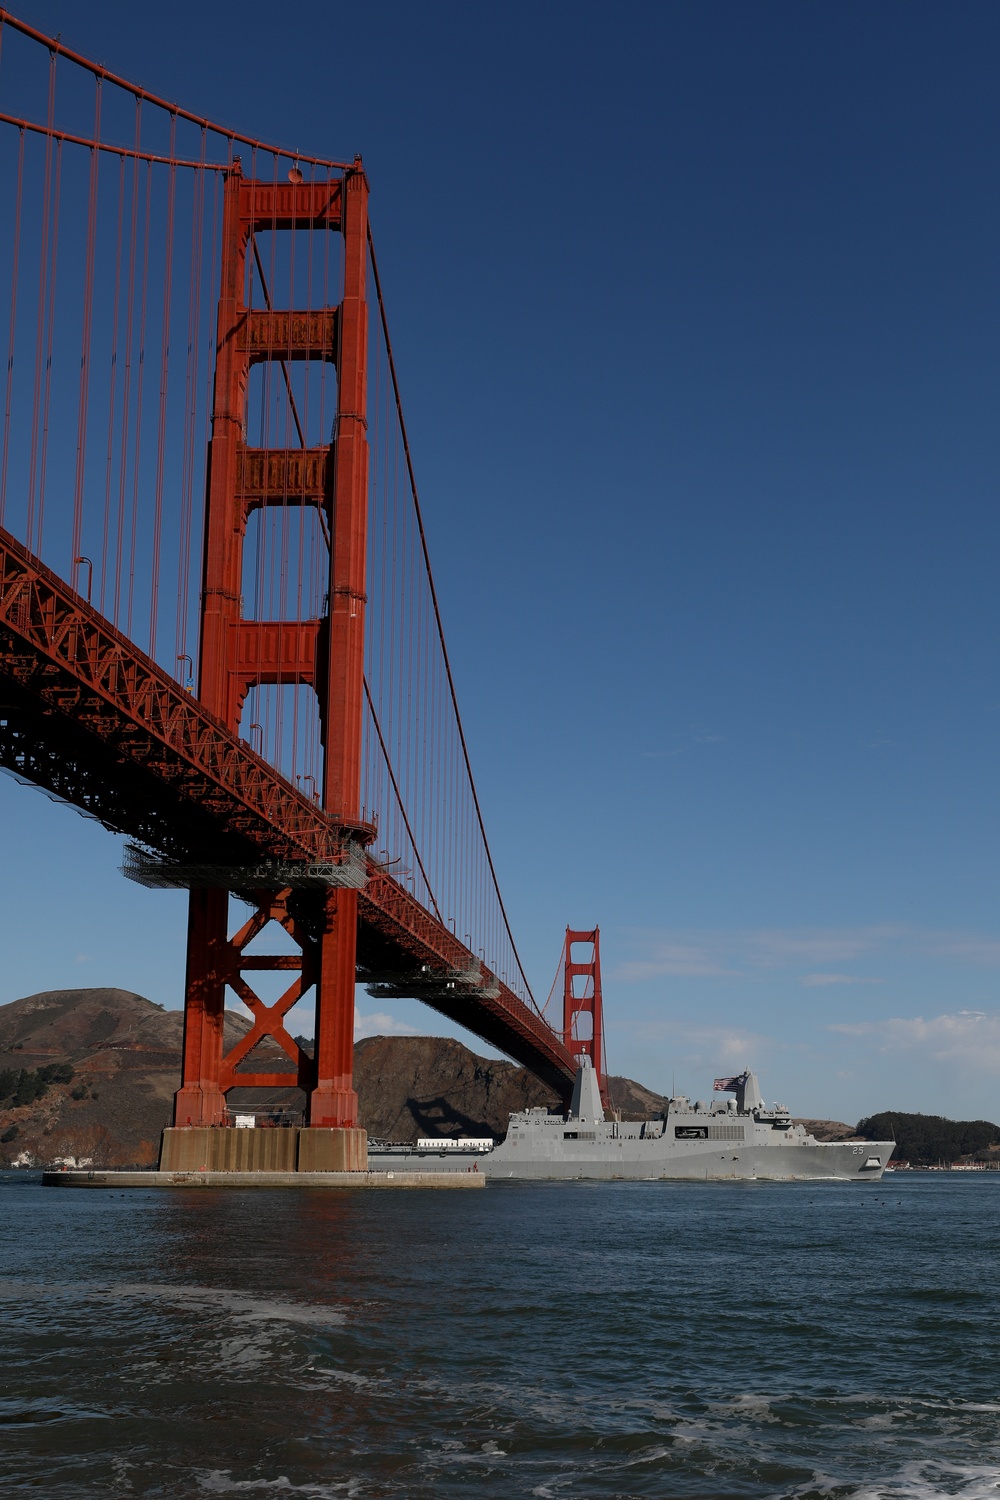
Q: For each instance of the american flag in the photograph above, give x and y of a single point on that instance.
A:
(729, 1085)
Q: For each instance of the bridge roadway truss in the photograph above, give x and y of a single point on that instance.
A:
(88, 717)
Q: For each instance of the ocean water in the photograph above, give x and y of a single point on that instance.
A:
(551, 1340)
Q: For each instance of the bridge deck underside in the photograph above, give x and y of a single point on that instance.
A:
(89, 718)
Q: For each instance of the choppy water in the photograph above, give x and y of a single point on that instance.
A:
(564, 1340)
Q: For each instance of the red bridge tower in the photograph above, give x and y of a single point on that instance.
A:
(327, 654)
(582, 997)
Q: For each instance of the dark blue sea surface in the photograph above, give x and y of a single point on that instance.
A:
(552, 1340)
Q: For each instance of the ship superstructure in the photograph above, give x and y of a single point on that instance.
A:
(738, 1138)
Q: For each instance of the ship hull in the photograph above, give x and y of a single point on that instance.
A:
(738, 1141)
(640, 1161)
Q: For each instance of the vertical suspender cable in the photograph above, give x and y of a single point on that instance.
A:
(154, 582)
(190, 406)
(13, 327)
(112, 383)
(46, 406)
(139, 384)
(127, 377)
(43, 261)
(88, 314)
(399, 800)
(437, 618)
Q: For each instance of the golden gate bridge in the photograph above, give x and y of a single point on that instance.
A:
(219, 631)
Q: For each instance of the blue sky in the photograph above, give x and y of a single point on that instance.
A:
(695, 310)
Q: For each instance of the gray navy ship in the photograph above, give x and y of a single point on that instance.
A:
(735, 1139)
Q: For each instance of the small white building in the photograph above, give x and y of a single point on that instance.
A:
(454, 1143)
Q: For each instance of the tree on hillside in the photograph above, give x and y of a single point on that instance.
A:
(926, 1139)
(23, 1086)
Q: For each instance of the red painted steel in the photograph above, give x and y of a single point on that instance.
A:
(91, 718)
(584, 1000)
(83, 675)
(326, 655)
(99, 720)
(333, 1100)
(232, 963)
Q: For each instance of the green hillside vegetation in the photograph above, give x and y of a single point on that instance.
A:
(20, 1086)
(924, 1140)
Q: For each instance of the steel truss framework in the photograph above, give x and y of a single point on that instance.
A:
(88, 717)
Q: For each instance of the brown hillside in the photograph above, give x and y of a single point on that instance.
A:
(125, 1052)
(428, 1085)
(632, 1100)
(830, 1130)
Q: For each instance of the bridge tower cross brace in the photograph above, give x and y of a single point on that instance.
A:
(327, 654)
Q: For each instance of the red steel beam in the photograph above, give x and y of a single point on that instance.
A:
(70, 655)
(91, 688)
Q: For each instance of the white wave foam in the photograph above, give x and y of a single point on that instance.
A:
(751, 1407)
(227, 1300)
(936, 1481)
(236, 1303)
(346, 1377)
(453, 1452)
(220, 1482)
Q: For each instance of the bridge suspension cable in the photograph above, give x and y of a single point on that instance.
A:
(111, 245)
(439, 627)
(56, 48)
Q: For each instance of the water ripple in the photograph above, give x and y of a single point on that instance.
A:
(709, 1342)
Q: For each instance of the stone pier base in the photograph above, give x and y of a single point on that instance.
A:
(195, 1148)
(324, 1149)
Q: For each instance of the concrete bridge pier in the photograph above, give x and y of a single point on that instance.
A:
(219, 1148)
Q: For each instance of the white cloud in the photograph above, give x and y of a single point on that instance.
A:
(724, 954)
(701, 1046)
(299, 1021)
(685, 959)
(380, 1024)
(966, 1038)
(968, 947)
(821, 951)
(812, 980)
(780, 947)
